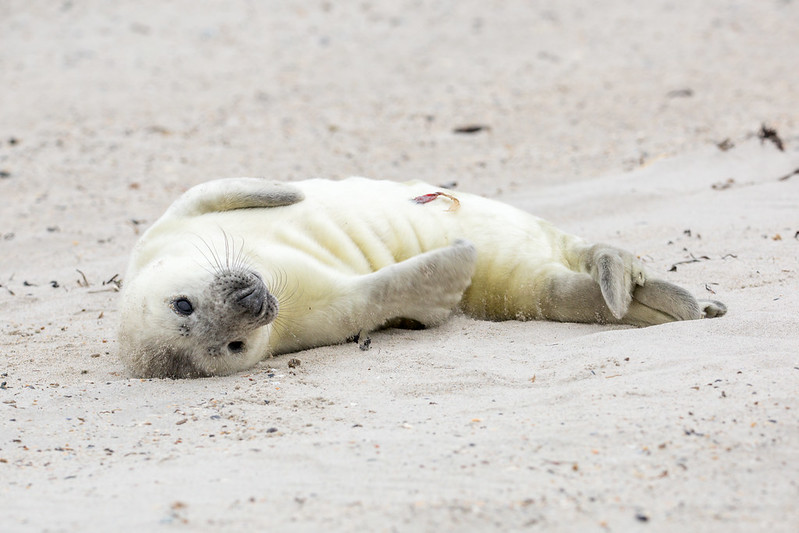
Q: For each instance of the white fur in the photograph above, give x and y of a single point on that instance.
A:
(344, 257)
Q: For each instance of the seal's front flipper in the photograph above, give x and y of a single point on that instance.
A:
(422, 291)
(233, 193)
(425, 288)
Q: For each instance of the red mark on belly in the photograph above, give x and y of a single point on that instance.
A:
(425, 198)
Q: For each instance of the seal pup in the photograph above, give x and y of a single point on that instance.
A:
(240, 269)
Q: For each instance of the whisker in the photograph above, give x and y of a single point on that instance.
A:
(217, 261)
(241, 260)
(286, 296)
(234, 255)
(213, 260)
(204, 267)
(227, 249)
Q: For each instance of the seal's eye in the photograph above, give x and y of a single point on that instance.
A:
(236, 346)
(182, 306)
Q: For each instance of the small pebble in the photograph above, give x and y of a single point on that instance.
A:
(365, 343)
(470, 128)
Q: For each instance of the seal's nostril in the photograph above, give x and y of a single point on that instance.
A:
(247, 293)
(251, 299)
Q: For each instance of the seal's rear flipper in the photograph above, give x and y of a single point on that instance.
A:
(628, 295)
(659, 301)
(712, 308)
(668, 298)
(233, 193)
(617, 272)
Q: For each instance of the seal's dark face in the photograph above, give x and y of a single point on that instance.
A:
(208, 325)
(235, 303)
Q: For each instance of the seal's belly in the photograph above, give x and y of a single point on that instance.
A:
(358, 226)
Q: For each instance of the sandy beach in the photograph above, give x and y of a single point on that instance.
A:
(668, 128)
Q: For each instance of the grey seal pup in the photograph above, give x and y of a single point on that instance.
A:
(240, 269)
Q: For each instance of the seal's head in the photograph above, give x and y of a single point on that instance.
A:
(180, 321)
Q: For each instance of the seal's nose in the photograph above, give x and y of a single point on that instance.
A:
(243, 290)
(251, 299)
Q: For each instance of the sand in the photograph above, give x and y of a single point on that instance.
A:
(609, 119)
